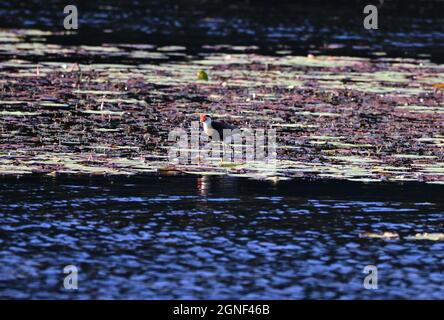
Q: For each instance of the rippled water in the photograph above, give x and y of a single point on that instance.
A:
(406, 29)
(211, 237)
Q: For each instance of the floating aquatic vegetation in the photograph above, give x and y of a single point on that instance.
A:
(423, 109)
(388, 235)
(359, 119)
(18, 113)
(427, 236)
(384, 235)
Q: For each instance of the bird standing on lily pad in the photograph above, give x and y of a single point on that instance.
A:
(216, 129)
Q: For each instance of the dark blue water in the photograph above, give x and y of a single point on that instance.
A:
(217, 238)
(413, 29)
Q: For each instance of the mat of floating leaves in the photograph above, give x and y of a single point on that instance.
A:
(336, 117)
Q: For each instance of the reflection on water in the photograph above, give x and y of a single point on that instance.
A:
(203, 185)
(216, 237)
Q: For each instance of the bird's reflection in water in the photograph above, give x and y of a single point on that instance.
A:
(222, 186)
(203, 185)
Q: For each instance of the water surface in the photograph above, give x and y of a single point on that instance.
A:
(217, 238)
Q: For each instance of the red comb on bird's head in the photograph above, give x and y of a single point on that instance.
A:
(203, 117)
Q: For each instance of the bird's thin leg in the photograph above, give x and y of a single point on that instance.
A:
(223, 153)
(231, 148)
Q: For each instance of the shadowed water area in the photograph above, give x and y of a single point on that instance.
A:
(217, 237)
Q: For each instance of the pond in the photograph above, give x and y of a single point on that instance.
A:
(358, 183)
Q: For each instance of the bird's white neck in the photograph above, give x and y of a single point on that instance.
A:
(207, 123)
(208, 128)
